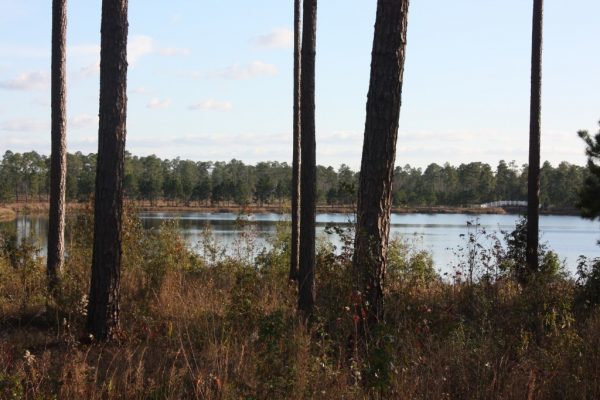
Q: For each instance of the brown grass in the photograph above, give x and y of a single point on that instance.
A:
(33, 207)
(37, 207)
(223, 328)
(6, 214)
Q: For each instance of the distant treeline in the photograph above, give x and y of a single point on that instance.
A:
(24, 177)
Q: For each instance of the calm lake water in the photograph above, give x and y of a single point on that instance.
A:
(441, 234)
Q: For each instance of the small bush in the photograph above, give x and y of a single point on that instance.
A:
(588, 282)
(409, 265)
(214, 326)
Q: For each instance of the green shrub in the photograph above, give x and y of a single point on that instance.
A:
(588, 282)
(514, 261)
(276, 369)
(407, 264)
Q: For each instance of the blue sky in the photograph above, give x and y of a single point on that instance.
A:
(212, 80)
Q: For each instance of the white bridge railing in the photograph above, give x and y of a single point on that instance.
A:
(504, 203)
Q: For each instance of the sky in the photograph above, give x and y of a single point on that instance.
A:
(212, 79)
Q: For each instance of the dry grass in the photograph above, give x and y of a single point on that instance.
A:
(6, 214)
(37, 207)
(222, 328)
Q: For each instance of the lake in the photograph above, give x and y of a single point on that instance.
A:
(440, 234)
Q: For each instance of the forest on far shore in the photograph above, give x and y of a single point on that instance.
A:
(24, 177)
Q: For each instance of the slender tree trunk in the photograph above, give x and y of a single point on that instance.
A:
(103, 309)
(308, 173)
(533, 189)
(58, 158)
(297, 145)
(379, 153)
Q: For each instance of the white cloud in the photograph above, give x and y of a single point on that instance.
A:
(21, 142)
(281, 38)
(141, 90)
(340, 136)
(24, 125)
(41, 101)
(213, 105)
(243, 72)
(84, 50)
(174, 51)
(138, 47)
(84, 121)
(12, 51)
(449, 136)
(249, 147)
(37, 80)
(156, 103)
(90, 70)
(221, 141)
(175, 18)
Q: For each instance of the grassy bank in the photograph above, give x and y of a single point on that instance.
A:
(225, 327)
(7, 214)
(34, 208)
(336, 209)
(161, 206)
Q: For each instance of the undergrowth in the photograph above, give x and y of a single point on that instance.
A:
(221, 326)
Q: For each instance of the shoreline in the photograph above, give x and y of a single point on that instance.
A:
(9, 212)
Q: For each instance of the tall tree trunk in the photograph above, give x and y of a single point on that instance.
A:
(297, 145)
(103, 309)
(533, 189)
(58, 158)
(379, 153)
(308, 174)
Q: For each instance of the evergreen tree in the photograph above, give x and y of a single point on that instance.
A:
(103, 306)
(533, 187)
(589, 202)
(297, 145)
(58, 169)
(379, 152)
(308, 174)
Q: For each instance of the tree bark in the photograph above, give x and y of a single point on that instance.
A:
(103, 308)
(58, 158)
(533, 187)
(297, 145)
(379, 153)
(308, 174)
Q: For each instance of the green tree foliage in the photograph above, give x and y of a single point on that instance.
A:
(24, 177)
(152, 178)
(589, 200)
(265, 188)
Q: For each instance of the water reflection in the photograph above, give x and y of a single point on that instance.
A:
(438, 233)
